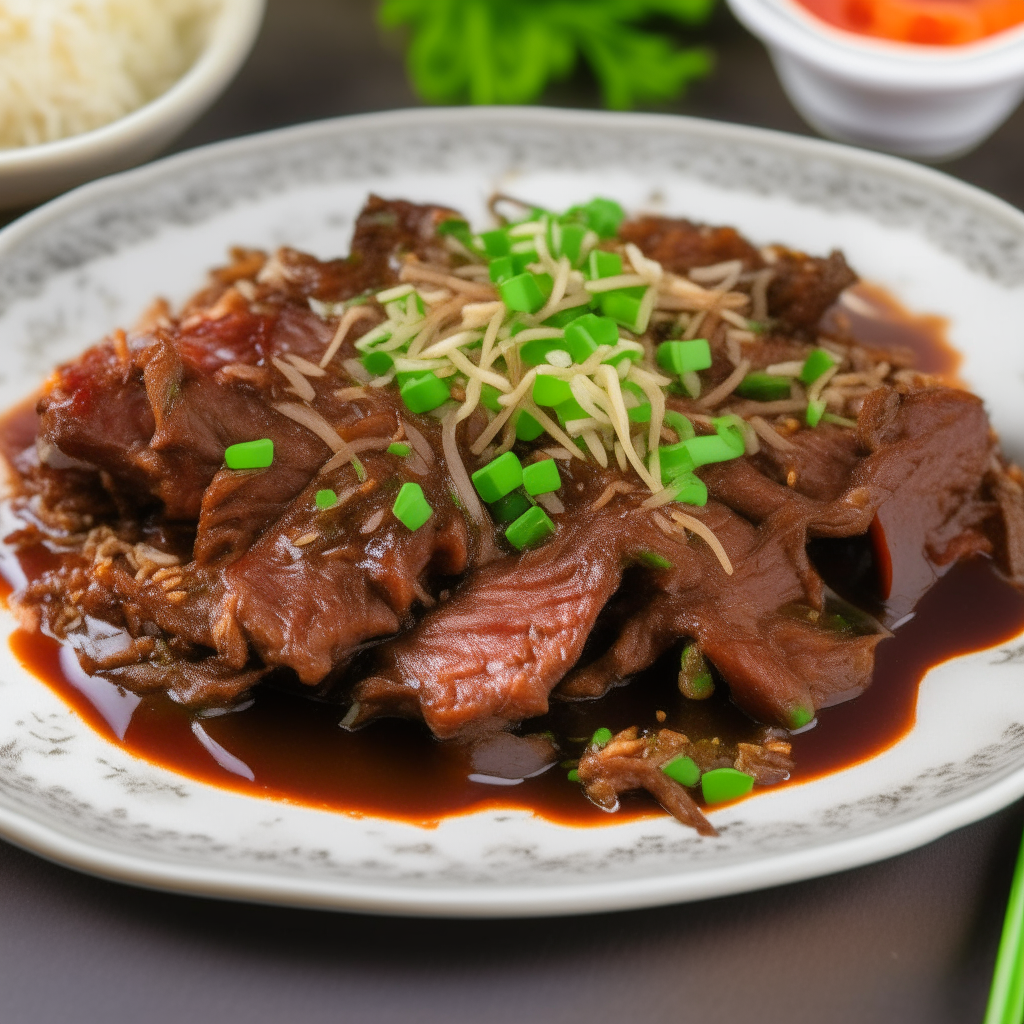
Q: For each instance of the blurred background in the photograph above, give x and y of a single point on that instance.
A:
(323, 58)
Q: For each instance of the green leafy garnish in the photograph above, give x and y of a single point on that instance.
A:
(493, 51)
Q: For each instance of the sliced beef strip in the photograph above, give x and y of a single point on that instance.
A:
(1009, 520)
(917, 484)
(238, 506)
(155, 422)
(345, 586)
(491, 654)
(801, 289)
(927, 453)
(97, 412)
(201, 626)
(385, 231)
(819, 460)
(204, 682)
(680, 245)
(777, 667)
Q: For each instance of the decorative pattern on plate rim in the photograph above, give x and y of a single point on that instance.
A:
(374, 147)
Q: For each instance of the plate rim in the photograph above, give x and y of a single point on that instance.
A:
(149, 870)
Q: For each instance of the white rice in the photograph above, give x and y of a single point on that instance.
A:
(69, 66)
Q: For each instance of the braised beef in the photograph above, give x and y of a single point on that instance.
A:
(165, 570)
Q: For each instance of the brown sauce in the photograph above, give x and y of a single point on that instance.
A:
(878, 321)
(285, 746)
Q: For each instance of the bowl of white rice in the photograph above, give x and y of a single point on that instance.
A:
(88, 87)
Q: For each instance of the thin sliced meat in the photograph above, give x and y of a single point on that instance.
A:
(492, 653)
(680, 245)
(777, 668)
(343, 589)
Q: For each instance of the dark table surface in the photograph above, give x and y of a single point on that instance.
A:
(909, 940)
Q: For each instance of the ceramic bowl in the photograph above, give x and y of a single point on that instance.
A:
(932, 103)
(32, 173)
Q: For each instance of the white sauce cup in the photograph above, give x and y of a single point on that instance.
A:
(929, 102)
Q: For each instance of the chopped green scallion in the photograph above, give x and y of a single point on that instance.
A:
(638, 406)
(624, 305)
(530, 529)
(457, 228)
(800, 717)
(526, 293)
(399, 448)
(602, 216)
(587, 333)
(815, 410)
(680, 424)
(721, 784)
(690, 489)
(573, 776)
(495, 243)
(550, 391)
(377, 363)
(489, 396)
(502, 269)
(816, 364)
(541, 477)
(511, 507)
(527, 427)
(567, 240)
(250, 454)
(763, 387)
(654, 560)
(535, 353)
(695, 679)
(683, 770)
(684, 356)
(732, 429)
(498, 477)
(425, 391)
(411, 507)
(675, 460)
(603, 264)
(325, 498)
(570, 409)
(565, 317)
(601, 738)
(709, 448)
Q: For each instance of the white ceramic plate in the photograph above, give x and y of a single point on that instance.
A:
(92, 260)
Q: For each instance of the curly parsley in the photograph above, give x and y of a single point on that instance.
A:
(506, 51)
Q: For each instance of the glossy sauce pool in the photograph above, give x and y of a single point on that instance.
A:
(288, 747)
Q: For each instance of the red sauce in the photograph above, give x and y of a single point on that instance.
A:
(921, 22)
(285, 746)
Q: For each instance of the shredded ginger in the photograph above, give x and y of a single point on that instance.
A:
(69, 66)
